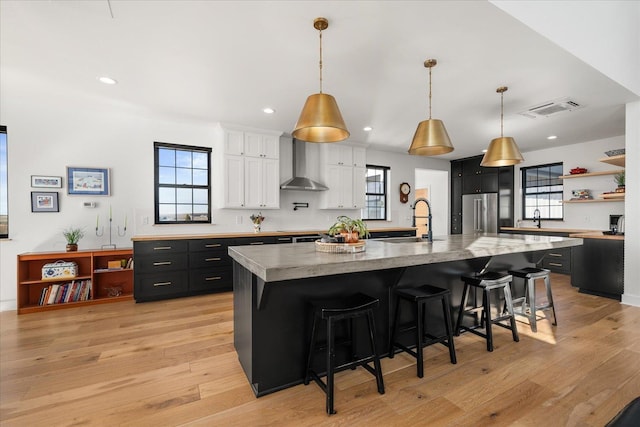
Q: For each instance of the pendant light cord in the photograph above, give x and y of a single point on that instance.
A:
(320, 60)
(429, 93)
(501, 114)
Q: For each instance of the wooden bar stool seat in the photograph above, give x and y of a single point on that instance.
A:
(526, 306)
(332, 311)
(487, 282)
(419, 298)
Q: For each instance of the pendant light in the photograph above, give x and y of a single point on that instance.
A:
(320, 119)
(502, 151)
(431, 137)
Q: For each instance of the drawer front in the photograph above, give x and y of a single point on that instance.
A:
(159, 247)
(211, 259)
(211, 280)
(156, 286)
(159, 263)
(242, 241)
(284, 239)
(205, 245)
(558, 260)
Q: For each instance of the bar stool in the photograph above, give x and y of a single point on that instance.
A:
(526, 306)
(419, 297)
(487, 282)
(332, 311)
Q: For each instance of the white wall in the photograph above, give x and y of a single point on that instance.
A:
(438, 184)
(590, 216)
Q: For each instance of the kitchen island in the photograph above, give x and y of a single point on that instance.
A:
(272, 287)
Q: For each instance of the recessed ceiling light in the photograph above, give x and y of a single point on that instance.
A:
(552, 137)
(269, 110)
(367, 128)
(107, 80)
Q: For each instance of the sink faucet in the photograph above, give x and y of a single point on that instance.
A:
(536, 217)
(429, 229)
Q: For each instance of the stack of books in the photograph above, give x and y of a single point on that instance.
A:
(76, 290)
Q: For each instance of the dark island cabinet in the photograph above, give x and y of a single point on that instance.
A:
(598, 266)
(393, 233)
(468, 177)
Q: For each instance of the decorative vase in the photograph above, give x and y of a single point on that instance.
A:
(620, 189)
(256, 228)
(72, 247)
(351, 237)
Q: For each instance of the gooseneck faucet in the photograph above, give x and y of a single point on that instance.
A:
(428, 217)
(536, 217)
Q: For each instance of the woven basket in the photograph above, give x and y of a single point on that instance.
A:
(340, 248)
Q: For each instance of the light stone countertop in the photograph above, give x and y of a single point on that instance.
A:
(301, 260)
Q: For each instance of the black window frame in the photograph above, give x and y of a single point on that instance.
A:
(384, 194)
(4, 182)
(157, 186)
(523, 172)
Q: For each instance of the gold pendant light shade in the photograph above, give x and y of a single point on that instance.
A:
(320, 120)
(502, 151)
(431, 137)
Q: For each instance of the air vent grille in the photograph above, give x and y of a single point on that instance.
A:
(551, 108)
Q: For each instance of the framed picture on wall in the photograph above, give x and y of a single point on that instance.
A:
(88, 181)
(44, 201)
(46, 181)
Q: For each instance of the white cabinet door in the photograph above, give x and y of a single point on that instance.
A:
(271, 147)
(359, 157)
(338, 154)
(234, 182)
(332, 198)
(258, 145)
(346, 187)
(271, 183)
(233, 142)
(253, 182)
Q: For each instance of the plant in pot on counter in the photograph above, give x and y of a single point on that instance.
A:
(620, 180)
(73, 236)
(350, 229)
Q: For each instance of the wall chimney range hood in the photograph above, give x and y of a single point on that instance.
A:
(299, 181)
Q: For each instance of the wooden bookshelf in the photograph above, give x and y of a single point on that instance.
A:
(105, 285)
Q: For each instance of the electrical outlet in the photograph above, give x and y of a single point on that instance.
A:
(145, 220)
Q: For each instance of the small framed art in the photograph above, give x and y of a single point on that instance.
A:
(46, 181)
(91, 181)
(44, 201)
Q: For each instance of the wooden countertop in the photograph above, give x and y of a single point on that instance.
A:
(152, 237)
(548, 230)
(597, 235)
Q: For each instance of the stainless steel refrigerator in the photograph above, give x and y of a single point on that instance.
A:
(480, 213)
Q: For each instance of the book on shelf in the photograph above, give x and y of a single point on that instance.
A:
(76, 290)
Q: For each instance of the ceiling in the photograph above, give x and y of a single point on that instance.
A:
(224, 61)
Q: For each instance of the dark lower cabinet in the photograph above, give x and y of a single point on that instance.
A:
(557, 260)
(385, 234)
(597, 267)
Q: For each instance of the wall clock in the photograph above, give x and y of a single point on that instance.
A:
(405, 189)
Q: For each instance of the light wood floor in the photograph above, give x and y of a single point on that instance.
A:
(172, 363)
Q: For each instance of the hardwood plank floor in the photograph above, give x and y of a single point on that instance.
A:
(172, 363)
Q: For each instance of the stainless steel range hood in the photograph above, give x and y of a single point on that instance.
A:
(299, 180)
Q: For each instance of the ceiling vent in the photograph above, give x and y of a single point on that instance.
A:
(551, 108)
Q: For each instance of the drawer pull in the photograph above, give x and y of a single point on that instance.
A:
(213, 278)
(212, 259)
(216, 245)
(555, 264)
(162, 263)
(162, 284)
(257, 243)
(162, 248)
(284, 239)
(556, 255)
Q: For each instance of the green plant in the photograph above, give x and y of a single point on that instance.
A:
(73, 235)
(349, 225)
(257, 219)
(619, 178)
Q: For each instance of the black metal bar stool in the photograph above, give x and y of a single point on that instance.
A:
(419, 297)
(332, 311)
(526, 305)
(487, 282)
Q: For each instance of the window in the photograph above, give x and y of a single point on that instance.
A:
(542, 190)
(375, 203)
(182, 184)
(4, 186)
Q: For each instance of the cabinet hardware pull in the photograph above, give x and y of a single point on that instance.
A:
(162, 263)
(555, 264)
(257, 243)
(213, 278)
(212, 259)
(216, 245)
(161, 248)
(553, 254)
(162, 284)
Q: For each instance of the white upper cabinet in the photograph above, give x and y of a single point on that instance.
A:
(343, 171)
(247, 169)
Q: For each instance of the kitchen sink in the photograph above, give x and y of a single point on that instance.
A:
(407, 240)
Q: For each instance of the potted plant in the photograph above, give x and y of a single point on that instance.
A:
(620, 179)
(257, 221)
(351, 229)
(73, 235)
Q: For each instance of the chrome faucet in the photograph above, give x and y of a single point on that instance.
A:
(429, 234)
(536, 217)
